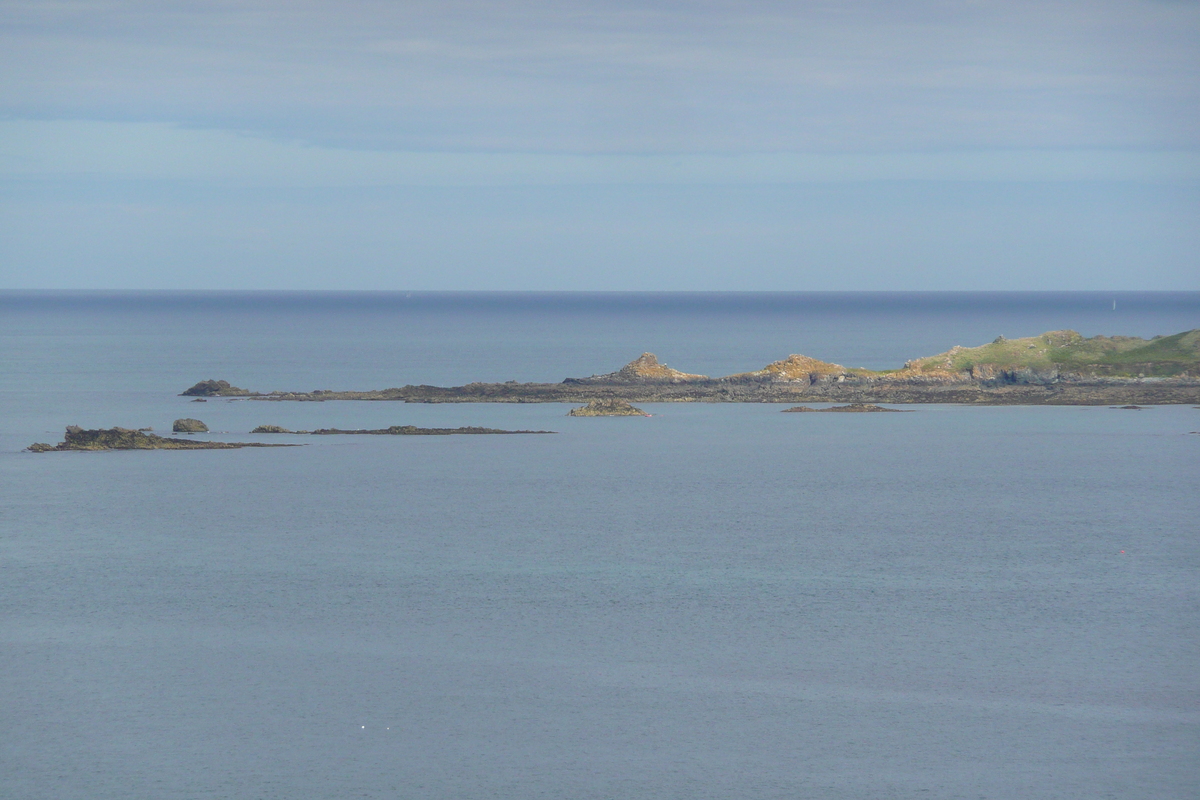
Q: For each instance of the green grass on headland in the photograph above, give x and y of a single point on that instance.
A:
(1068, 351)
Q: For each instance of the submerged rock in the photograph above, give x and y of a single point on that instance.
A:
(412, 430)
(78, 438)
(607, 408)
(188, 425)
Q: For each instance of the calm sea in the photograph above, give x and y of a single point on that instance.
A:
(718, 601)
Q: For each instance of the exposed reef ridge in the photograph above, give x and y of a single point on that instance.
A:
(853, 408)
(394, 430)
(612, 407)
(1055, 368)
(78, 438)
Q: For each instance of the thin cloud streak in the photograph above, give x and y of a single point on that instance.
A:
(622, 77)
(154, 151)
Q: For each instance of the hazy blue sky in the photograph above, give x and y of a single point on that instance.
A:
(600, 145)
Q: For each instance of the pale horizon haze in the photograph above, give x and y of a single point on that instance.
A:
(600, 146)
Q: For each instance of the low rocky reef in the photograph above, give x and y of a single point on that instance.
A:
(395, 430)
(612, 407)
(188, 426)
(78, 438)
(1056, 368)
(853, 408)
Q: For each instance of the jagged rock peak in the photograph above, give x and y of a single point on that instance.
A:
(646, 368)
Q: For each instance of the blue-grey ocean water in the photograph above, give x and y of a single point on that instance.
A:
(718, 601)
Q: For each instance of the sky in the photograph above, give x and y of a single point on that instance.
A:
(524, 145)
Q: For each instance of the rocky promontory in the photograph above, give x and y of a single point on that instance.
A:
(78, 438)
(607, 408)
(1055, 368)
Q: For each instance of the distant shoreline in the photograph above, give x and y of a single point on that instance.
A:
(1056, 368)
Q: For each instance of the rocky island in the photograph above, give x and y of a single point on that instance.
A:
(1055, 368)
(78, 438)
(215, 389)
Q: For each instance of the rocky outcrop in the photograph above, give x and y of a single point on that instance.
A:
(188, 426)
(853, 408)
(646, 368)
(273, 429)
(613, 407)
(78, 438)
(797, 369)
(214, 389)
